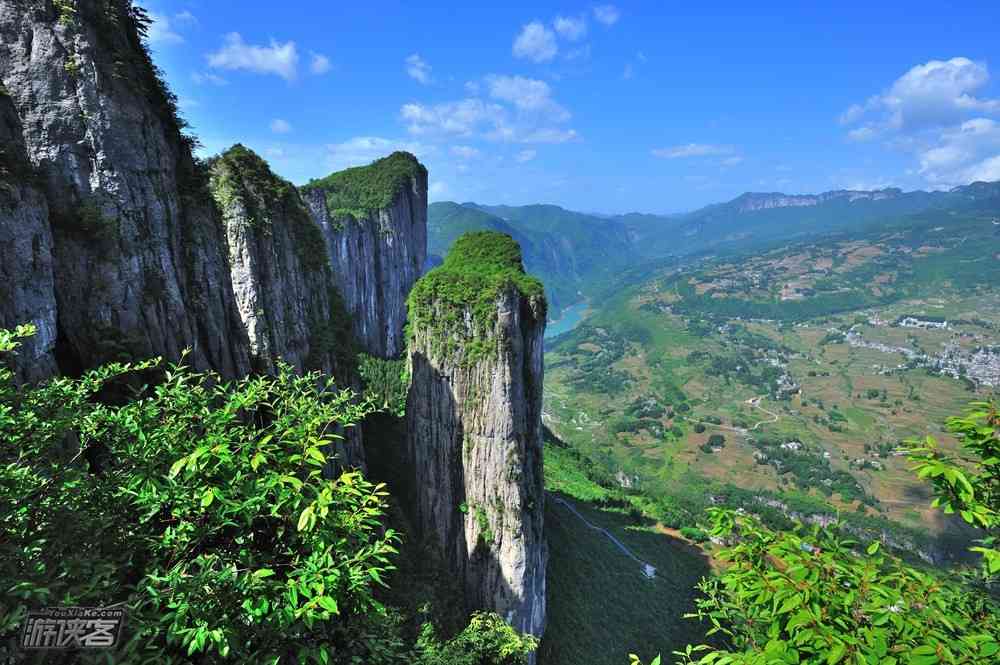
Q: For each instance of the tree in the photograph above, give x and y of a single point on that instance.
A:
(968, 483)
(209, 514)
(717, 440)
(811, 596)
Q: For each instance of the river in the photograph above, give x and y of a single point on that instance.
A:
(571, 316)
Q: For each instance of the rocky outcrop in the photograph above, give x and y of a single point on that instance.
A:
(282, 279)
(474, 424)
(280, 269)
(138, 252)
(374, 219)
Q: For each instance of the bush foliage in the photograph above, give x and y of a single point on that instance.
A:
(480, 267)
(212, 510)
(360, 191)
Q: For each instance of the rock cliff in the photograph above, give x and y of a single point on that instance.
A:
(474, 423)
(138, 253)
(280, 271)
(27, 293)
(374, 219)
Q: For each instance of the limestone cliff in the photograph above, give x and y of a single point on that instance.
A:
(281, 277)
(136, 248)
(374, 219)
(474, 423)
(27, 294)
(280, 272)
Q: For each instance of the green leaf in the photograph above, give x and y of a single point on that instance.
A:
(873, 548)
(261, 573)
(328, 604)
(306, 518)
(836, 653)
(176, 467)
(316, 455)
(207, 497)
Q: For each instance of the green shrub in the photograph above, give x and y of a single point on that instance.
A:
(807, 597)
(479, 267)
(201, 504)
(360, 191)
(694, 533)
(386, 382)
(487, 640)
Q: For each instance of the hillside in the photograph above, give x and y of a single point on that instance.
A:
(578, 255)
(792, 373)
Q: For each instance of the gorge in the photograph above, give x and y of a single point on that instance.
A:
(117, 244)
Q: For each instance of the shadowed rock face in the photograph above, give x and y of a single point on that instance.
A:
(475, 443)
(138, 253)
(376, 259)
(27, 294)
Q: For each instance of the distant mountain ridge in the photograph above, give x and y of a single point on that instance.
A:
(574, 252)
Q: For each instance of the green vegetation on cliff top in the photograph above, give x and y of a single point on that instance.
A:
(240, 175)
(477, 270)
(357, 192)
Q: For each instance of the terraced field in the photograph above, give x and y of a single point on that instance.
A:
(798, 371)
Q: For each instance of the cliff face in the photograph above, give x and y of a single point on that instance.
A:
(138, 257)
(474, 424)
(282, 279)
(280, 272)
(374, 219)
(27, 294)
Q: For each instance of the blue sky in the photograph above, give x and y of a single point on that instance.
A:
(653, 107)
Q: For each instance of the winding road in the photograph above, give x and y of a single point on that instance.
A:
(607, 533)
(754, 402)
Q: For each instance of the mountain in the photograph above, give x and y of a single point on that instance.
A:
(576, 254)
(570, 251)
(117, 244)
(754, 217)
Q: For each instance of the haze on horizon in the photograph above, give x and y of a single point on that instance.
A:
(597, 107)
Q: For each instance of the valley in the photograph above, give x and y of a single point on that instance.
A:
(796, 371)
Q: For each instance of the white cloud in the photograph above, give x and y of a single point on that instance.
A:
(461, 118)
(607, 14)
(437, 190)
(465, 152)
(732, 161)
(279, 126)
(418, 69)
(937, 93)
(471, 117)
(933, 113)
(277, 58)
(963, 154)
(160, 31)
(525, 156)
(186, 17)
(363, 150)
(629, 71)
(535, 42)
(693, 150)
(201, 78)
(526, 94)
(318, 63)
(569, 28)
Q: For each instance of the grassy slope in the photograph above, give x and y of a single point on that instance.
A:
(656, 360)
(600, 607)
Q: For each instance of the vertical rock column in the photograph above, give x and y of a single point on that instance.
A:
(474, 424)
(374, 219)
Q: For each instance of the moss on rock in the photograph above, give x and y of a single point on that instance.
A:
(360, 191)
(240, 176)
(457, 301)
